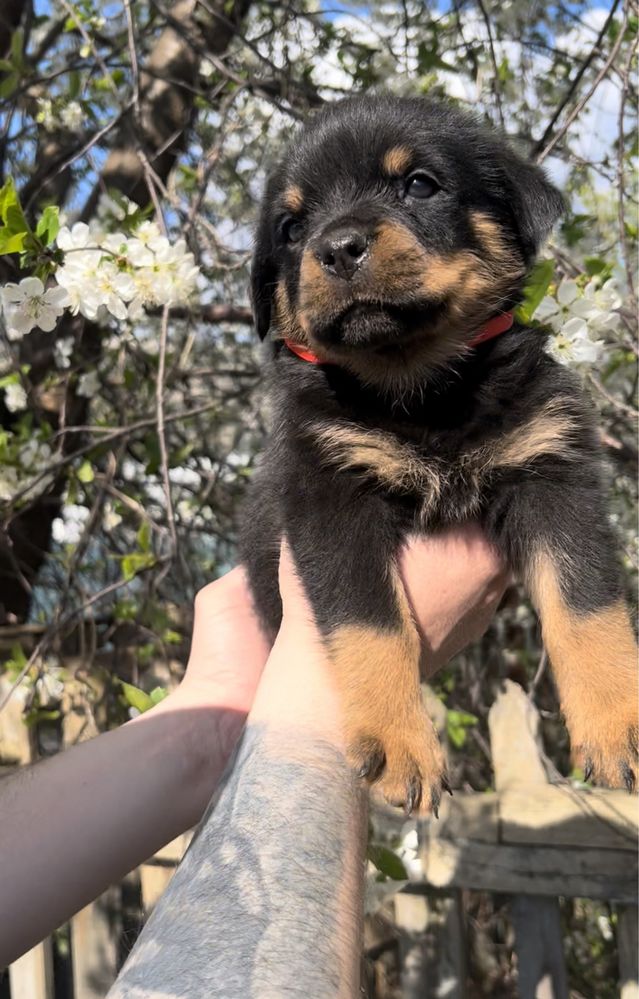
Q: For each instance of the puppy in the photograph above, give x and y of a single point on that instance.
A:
(394, 242)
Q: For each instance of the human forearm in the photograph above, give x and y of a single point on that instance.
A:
(272, 883)
(75, 823)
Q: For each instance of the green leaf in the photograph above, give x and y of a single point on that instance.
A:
(536, 287)
(387, 862)
(158, 694)
(9, 84)
(144, 536)
(12, 244)
(75, 81)
(85, 472)
(14, 228)
(17, 47)
(136, 698)
(49, 225)
(457, 722)
(171, 637)
(136, 562)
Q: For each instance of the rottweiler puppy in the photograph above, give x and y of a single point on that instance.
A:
(394, 242)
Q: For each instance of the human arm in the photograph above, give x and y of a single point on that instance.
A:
(79, 821)
(267, 901)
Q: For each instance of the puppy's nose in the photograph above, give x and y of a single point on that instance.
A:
(341, 251)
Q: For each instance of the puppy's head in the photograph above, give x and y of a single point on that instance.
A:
(392, 230)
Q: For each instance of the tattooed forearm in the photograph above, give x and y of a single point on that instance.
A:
(267, 902)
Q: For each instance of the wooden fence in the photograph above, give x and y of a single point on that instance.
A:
(532, 838)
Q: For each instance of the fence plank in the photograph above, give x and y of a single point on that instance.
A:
(517, 753)
(432, 945)
(540, 957)
(563, 816)
(465, 863)
(628, 952)
(93, 948)
(31, 976)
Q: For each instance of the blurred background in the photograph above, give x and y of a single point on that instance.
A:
(131, 410)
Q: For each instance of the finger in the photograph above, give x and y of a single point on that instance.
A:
(295, 604)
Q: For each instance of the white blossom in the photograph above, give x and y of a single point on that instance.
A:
(35, 455)
(123, 273)
(88, 384)
(78, 237)
(50, 685)
(110, 518)
(45, 115)
(577, 317)
(8, 482)
(72, 116)
(62, 351)
(15, 398)
(28, 304)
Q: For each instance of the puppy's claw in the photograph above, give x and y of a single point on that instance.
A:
(589, 768)
(413, 795)
(446, 784)
(373, 758)
(628, 775)
(435, 799)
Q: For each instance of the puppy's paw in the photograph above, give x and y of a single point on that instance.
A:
(405, 763)
(607, 749)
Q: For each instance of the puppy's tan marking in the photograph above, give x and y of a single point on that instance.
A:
(490, 234)
(397, 261)
(293, 199)
(446, 275)
(396, 161)
(286, 319)
(377, 673)
(319, 295)
(550, 431)
(394, 464)
(594, 658)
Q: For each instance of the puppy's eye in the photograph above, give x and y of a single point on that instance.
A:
(420, 185)
(292, 230)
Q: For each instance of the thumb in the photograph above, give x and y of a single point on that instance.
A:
(295, 605)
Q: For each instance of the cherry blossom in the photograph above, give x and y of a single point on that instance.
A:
(27, 305)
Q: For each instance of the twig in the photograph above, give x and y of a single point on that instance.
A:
(621, 172)
(575, 83)
(110, 435)
(159, 412)
(584, 100)
(65, 621)
(493, 56)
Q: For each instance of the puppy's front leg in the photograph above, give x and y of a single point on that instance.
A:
(344, 546)
(557, 535)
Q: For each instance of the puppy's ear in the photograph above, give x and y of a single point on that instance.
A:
(264, 268)
(535, 202)
(263, 280)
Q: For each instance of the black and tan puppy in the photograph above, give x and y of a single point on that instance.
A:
(394, 240)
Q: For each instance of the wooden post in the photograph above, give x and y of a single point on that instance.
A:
(628, 947)
(517, 760)
(31, 976)
(93, 947)
(431, 925)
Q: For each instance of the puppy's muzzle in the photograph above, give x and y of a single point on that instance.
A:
(342, 249)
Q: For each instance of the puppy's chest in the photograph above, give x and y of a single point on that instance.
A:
(446, 480)
(447, 474)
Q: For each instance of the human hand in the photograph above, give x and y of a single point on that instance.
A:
(454, 582)
(228, 653)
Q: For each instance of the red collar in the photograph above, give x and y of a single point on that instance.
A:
(494, 327)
